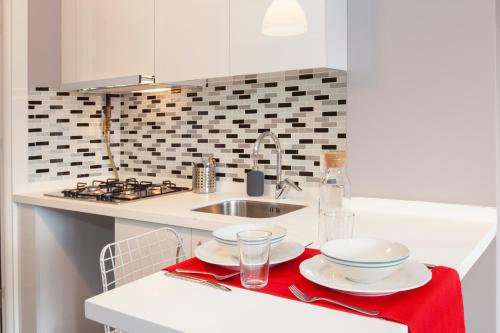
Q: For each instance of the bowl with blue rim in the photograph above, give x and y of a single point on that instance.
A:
(365, 260)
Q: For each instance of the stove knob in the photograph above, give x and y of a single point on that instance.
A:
(103, 197)
(106, 197)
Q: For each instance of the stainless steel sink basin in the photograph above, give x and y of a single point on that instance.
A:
(248, 208)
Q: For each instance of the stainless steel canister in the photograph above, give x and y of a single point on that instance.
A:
(204, 179)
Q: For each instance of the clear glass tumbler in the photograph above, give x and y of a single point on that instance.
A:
(255, 246)
(336, 224)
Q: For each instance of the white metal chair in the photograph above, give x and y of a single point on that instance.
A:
(136, 257)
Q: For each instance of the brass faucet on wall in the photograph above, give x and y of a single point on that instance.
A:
(106, 133)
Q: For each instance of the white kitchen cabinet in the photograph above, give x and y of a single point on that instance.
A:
(125, 228)
(199, 237)
(324, 44)
(107, 38)
(192, 39)
(68, 41)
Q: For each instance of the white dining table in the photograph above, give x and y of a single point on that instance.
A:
(158, 303)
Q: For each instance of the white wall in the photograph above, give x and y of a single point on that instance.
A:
(44, 43)
(421, 89)
(14, 146)
(421, 113)
(1, 122)
(478, 289)
(421, 100)
(498, 156)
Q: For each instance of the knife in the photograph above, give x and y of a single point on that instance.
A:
(197, 280)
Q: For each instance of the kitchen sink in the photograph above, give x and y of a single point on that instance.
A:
(248, 208)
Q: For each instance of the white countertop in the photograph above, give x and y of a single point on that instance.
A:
(444, 234)
(450, 235)
(175, 209)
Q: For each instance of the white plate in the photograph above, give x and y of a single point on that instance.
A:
(213, 253)
(410, 275)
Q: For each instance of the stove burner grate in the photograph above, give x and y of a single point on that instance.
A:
(114, 190)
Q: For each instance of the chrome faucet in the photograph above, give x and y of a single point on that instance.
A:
(282, 186)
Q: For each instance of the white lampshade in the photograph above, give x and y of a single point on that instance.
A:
(284, 18)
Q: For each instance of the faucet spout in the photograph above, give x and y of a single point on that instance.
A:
(282, 186)
(276, 141)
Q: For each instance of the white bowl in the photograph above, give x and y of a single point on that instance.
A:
(235, 249)
(227, 235)
(365, 274)
(355, 264)
(227, 238)
(226, 242)
(365, 260)
(368, 251)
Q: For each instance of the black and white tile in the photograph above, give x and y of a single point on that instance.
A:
(64, 131)
(160, 134)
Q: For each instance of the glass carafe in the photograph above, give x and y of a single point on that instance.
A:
(334, 196)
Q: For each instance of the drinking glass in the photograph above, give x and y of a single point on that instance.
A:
(336, 224)
(254, 247)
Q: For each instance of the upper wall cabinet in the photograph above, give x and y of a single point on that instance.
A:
(107, 38)
(192, 39)
(321, 43)
(197, 39)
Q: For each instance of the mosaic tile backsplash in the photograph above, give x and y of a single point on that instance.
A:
(161, 133)
(65, 139)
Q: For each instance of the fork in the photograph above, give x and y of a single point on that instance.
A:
(309, 299)
(216, 276)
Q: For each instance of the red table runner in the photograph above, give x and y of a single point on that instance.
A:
(435, 307)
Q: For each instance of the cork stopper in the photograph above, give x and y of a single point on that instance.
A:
(335, 159)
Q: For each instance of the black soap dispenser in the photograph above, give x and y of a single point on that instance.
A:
(255, 182)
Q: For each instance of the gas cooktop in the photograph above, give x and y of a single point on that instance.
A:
(116, 191)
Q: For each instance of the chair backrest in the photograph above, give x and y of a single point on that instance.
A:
(136, 257)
